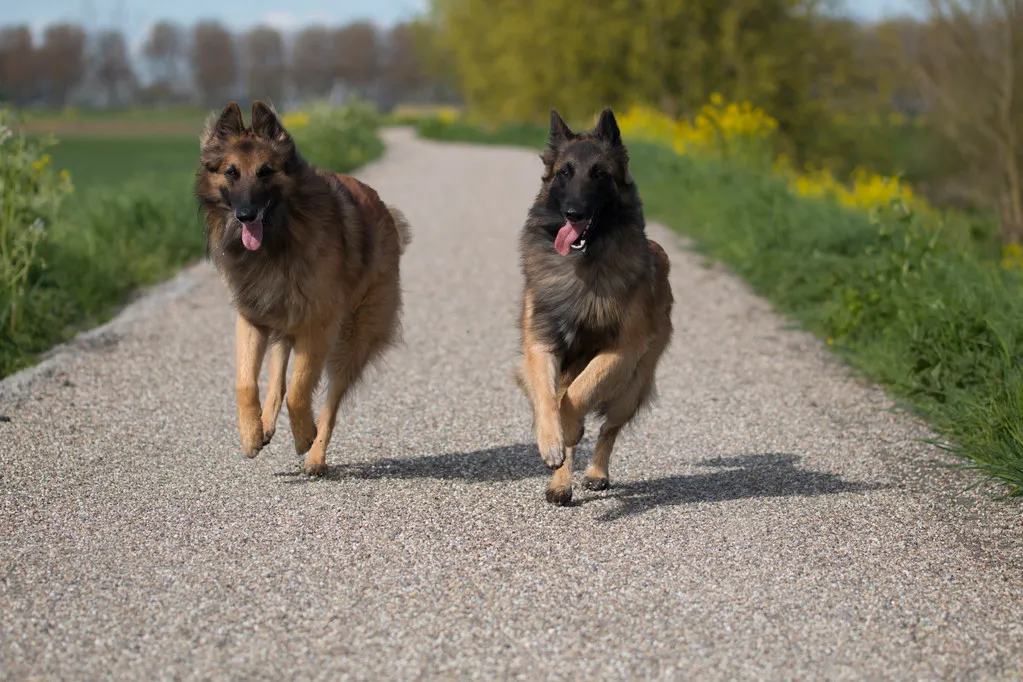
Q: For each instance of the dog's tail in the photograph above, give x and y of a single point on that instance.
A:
(404, 229)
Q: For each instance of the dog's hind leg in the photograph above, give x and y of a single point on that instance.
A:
(310, 353)
(280, 349)
(362, 338)
(597, 477)
(316, 460)
(559, 490)
(618, 413)
(619, 410)
(250, 347)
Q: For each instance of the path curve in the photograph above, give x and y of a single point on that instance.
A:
(771, 518)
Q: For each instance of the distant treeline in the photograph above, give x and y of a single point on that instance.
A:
(206, 64)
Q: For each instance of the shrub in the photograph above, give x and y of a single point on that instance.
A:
(30, 196)
(337, 138)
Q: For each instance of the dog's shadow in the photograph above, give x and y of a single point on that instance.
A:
(732, 478)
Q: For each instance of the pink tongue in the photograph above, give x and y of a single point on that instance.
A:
(252, 234)
(568, 233)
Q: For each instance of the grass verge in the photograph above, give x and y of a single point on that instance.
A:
(919, 307)
(69, 262)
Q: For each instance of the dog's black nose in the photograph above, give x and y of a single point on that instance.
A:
(247, 214)
(574, 215)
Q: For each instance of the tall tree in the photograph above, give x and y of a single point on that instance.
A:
(264, 64)
(357, 54)
(112, 67)
(17, 65)
(214, 61)
(165, 52)
(405, 68)
(517, 58)
(312, 69)
(62, 60)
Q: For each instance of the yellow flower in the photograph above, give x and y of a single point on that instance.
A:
(295, 119)
(41, 162)
(723, 128)
(831, 341)
(64, 175)
(447, 114)
(1012, 256)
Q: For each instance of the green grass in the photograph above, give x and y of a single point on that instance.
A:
(132, 221)
(97, 162)
(921, 309)
(106, 244)
(141, 114)
(513, 134)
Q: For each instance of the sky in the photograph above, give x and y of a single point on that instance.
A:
(135, 16)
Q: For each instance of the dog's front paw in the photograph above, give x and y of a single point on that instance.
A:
(315, 464)
(268, 432)
(251, 431)
(560, 495)
(552, 448)
(303, 428)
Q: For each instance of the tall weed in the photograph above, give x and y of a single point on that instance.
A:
(31, 193)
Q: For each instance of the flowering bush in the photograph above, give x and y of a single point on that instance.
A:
(744, 132)
(864, 191)
(411, 114)
(30, 197)
(732, 130)
(337, 138)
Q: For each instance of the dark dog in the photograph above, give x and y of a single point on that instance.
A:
(311, 260)
(596, 310)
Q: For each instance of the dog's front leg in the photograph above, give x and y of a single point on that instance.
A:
(250, 346)
(540, 374)
(310, 354)
(604, 375)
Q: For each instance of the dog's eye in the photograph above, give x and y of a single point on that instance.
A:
(599, 173)
(231, 172)
(565, 171)
(264, 171)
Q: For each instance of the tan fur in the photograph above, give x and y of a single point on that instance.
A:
(324, 286)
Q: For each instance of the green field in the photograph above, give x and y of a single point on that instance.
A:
(97, 162)
(188, 115)
(920, 307)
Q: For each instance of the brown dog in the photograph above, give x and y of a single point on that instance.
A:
(311, 260)
(596, 310)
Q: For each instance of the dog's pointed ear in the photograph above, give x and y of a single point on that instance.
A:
(228, 124)
(559, 129)
(607, 128)
(266, 123)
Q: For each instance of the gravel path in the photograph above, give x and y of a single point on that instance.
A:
(771, 517)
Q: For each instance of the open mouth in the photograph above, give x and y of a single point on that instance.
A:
(572, 236)
(252, 231)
